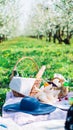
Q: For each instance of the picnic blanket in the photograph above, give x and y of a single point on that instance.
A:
(45, 125)
(9, 124)
(23, 119)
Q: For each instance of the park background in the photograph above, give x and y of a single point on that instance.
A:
(42, 30)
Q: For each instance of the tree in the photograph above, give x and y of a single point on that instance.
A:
(65, 9)
(9, 17)
(41, 19)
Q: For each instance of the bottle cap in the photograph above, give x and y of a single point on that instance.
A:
(66, 84)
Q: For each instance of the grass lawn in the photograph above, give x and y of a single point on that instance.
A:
(58, 58)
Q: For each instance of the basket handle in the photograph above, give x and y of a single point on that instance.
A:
(25, 57)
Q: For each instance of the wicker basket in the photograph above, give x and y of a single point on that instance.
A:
(38, 76)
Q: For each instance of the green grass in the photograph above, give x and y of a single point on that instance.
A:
(2, 97)
(58, 58)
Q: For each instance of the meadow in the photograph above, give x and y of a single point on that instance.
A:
(58, 58)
